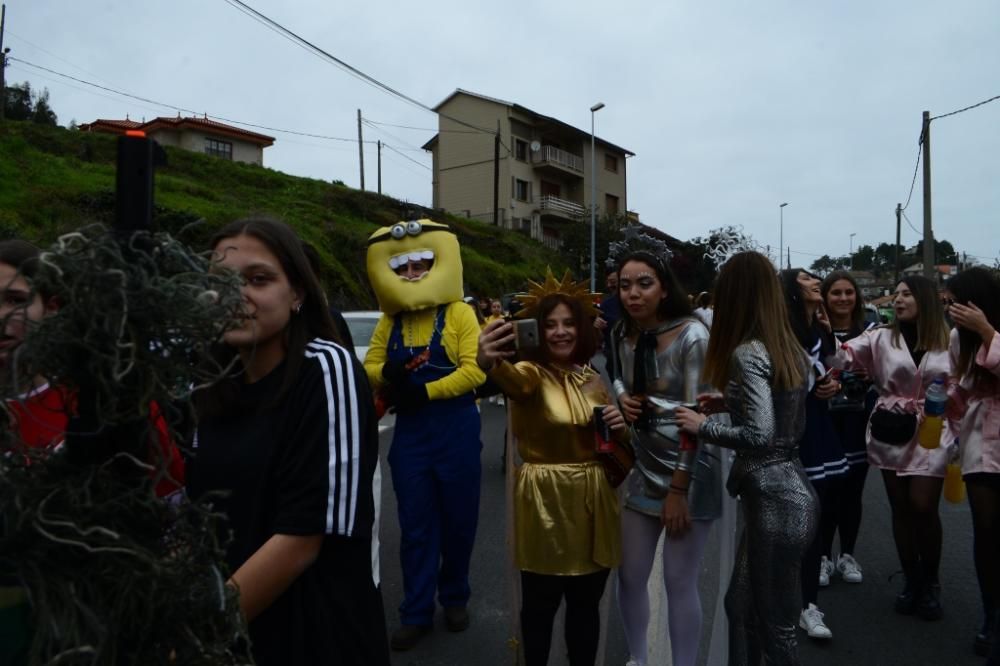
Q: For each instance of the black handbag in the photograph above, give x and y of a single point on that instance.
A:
(896, 428)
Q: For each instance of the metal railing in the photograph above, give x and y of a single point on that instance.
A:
(554, 155)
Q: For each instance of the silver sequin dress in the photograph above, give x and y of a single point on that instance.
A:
(676, 380)
(780, 508)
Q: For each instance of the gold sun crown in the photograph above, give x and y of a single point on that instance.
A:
(567, 287)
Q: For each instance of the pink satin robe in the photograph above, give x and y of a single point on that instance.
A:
(901, 387)
(979, 435)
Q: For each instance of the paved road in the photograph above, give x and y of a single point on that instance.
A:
(866, 630)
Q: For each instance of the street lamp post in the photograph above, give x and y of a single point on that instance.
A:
(850, 251)
(593, 199)
(781, 239)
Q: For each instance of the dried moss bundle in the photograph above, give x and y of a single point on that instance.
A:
(114, 574)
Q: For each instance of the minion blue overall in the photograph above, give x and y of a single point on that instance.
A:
(422, 356)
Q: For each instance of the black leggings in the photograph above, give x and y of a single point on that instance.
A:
(916, 524)
(540, 598)
(849, 507)
(984, 500)
(828, 491)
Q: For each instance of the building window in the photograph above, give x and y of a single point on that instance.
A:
(610, 204)
(216, 148)
(522, 190)
(521, 150)
(610, 162)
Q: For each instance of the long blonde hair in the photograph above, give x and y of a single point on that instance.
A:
(750, 305)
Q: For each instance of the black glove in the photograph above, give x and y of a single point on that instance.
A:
(411, 397)
(395, 372)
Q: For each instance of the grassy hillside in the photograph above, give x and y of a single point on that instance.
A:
(54, 180)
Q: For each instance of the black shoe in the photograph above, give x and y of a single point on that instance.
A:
(929, 604)
(456, 618)
(407, 636)
(906, 601)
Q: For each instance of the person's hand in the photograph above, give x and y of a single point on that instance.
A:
(972, 318)
(826, 388)
(689, 420)
(711, 403)
(613, 418)
(496, 335)
(394, 373)
(823, 318)
(674, 514)
(631, 406)
(600, 323)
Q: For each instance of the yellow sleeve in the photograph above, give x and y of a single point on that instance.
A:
(461, 342)
(517, 380)
(375, 358)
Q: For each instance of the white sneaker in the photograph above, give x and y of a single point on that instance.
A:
(633, 662)
(849, 569)
(826, 570)
(811, 620)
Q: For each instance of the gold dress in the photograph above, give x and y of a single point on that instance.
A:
(566, 514)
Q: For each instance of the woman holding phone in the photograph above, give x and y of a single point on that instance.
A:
(566, 514)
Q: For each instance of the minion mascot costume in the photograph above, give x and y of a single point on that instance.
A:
(423, 358)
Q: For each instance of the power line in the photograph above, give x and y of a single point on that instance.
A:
(424, 129)
(968, 108)
(350, 69)
(396, 138)
(181, 108)
(405, 156)
(916, 167)
(919, 233)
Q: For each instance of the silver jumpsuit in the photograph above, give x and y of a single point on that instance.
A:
(676, 379)
(780, 508)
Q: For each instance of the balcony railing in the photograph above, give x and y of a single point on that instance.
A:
(561, 207)
(553, 155)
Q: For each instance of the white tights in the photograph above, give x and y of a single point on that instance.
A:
(681, 560)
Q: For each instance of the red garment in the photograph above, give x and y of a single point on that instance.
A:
(42, 416)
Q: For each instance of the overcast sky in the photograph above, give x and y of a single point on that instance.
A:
(731, 107)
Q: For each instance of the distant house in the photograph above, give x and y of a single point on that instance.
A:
(199, 135)
(544, 171)
(942, 272)
(870, 285)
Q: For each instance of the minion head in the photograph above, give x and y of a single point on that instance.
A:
(391, 249)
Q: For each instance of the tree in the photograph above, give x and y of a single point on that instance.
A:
(21, 103)
(576, 244)
(944, 252)
(863, 259)
(885, 258)
(827, 264)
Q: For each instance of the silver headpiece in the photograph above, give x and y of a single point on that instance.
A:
(724, 242)
(634, 239)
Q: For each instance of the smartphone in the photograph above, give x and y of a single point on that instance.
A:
(603, 431)
(525, 333)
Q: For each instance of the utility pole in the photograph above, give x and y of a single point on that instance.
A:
(379, 143)
(496, 176)
(925, 135)
(3, 63)
(788, 261)
(361, 152)
(895, 262)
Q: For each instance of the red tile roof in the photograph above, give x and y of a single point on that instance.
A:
(178, 123)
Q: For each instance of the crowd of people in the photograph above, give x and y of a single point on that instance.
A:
(774, 374)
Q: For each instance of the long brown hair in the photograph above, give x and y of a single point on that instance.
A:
(750, 305)
(980, 287)
(312, 321)
(932, 329)
(586, 339)
(858, 313)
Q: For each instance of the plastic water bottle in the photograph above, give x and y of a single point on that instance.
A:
(935, 400)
